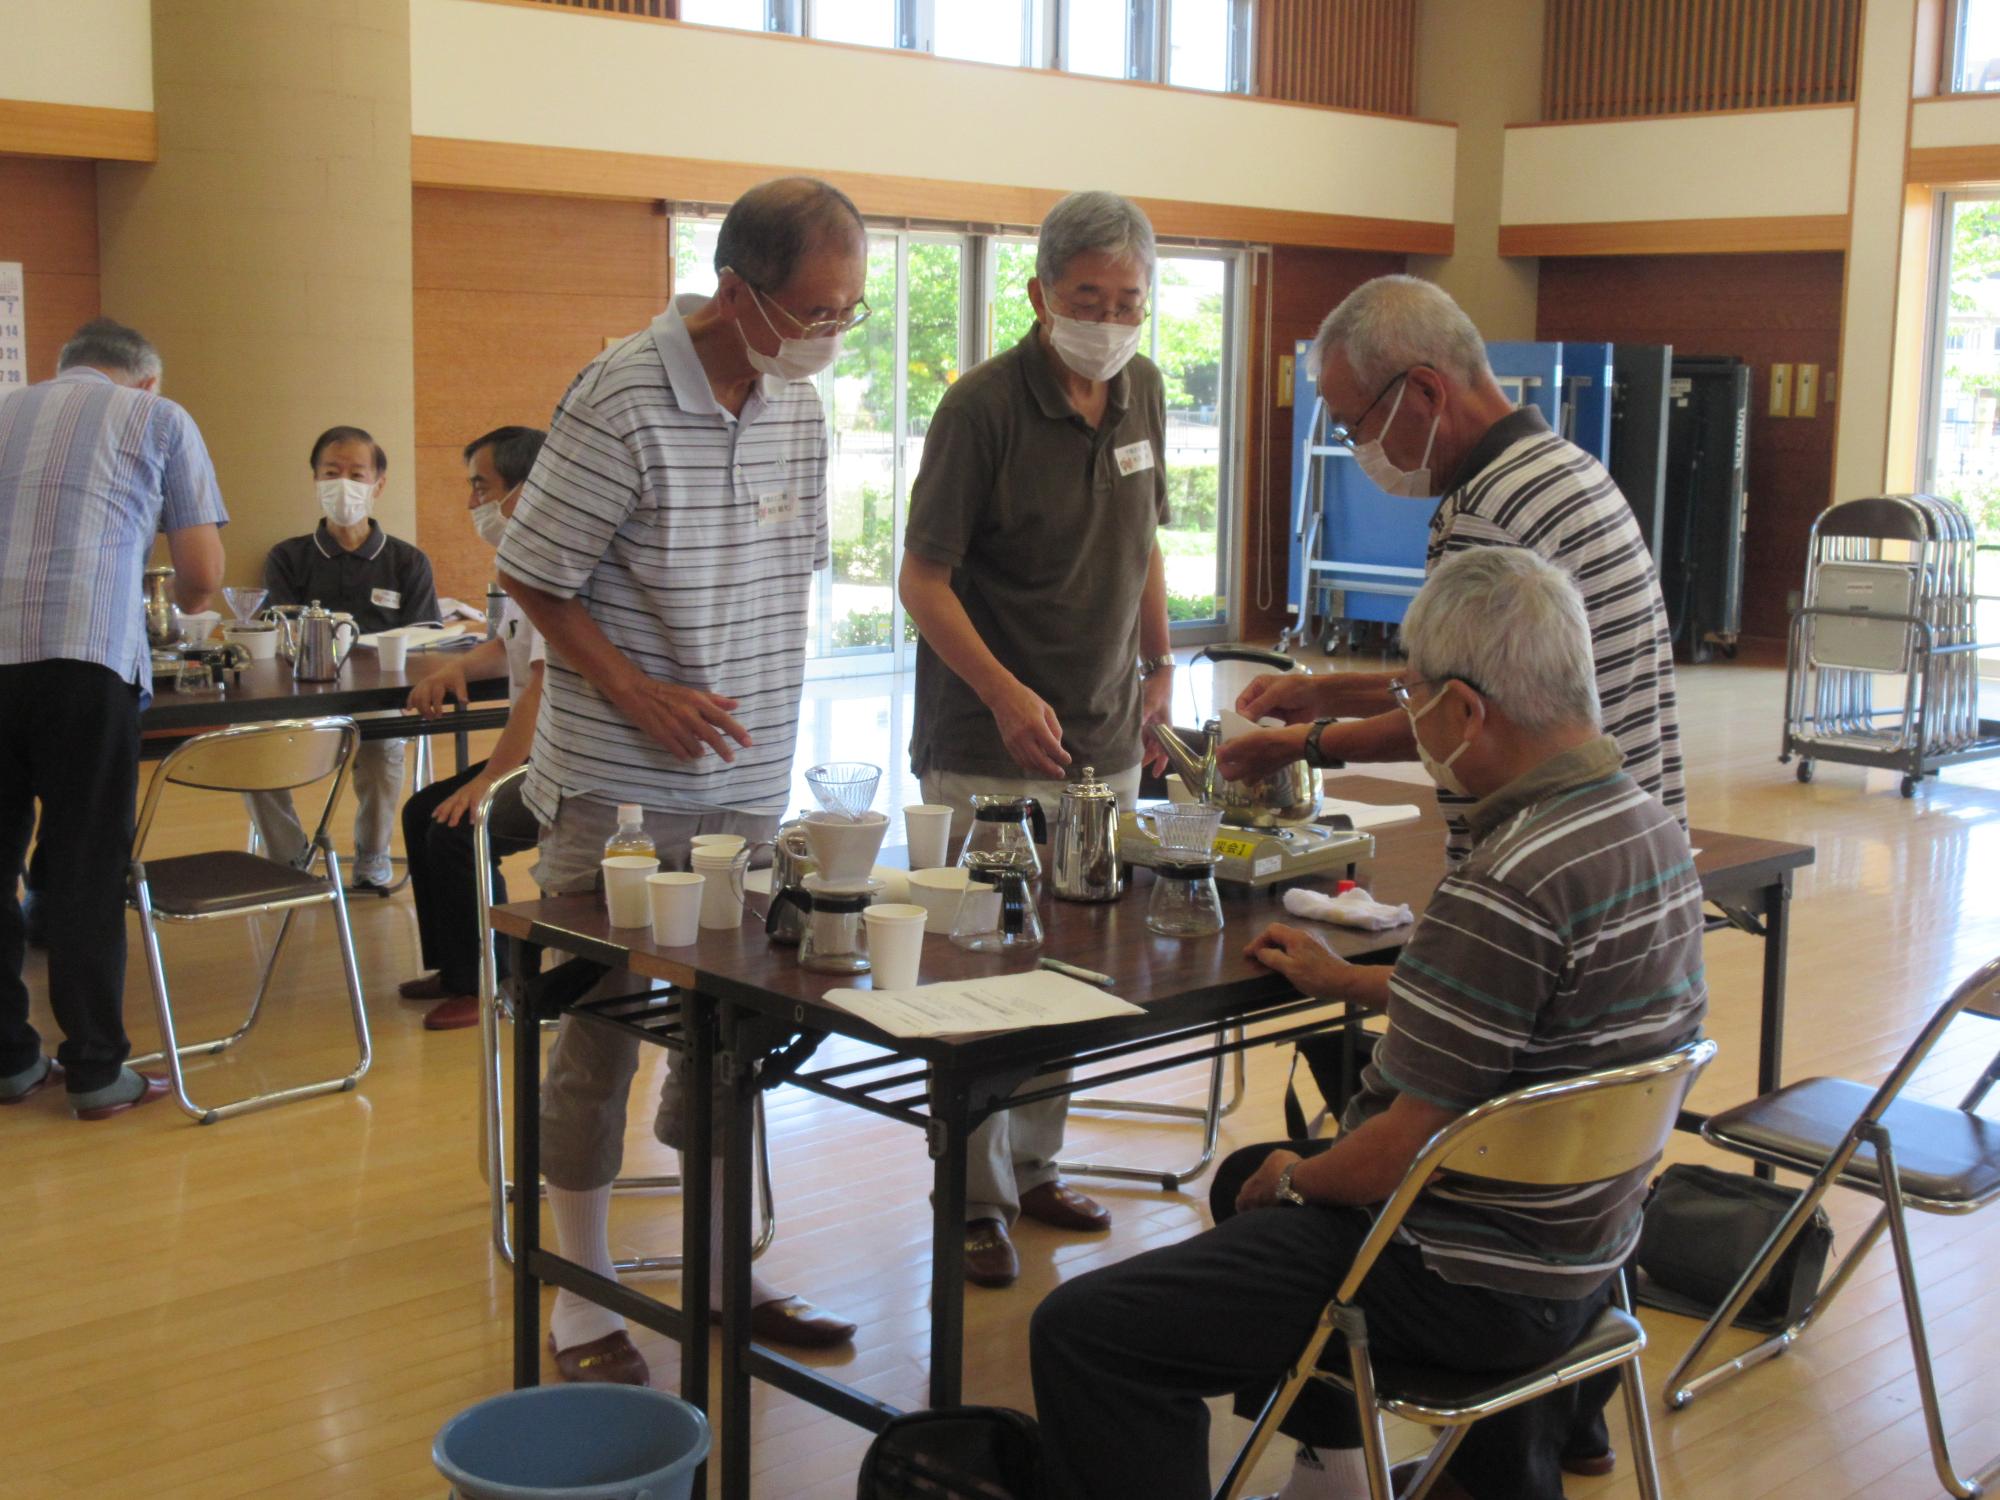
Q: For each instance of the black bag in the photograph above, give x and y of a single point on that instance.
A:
(1703, 1229)
(962, 1453)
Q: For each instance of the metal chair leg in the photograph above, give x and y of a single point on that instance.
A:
(1638, 1421)
(224, 1043)
(1210, 1114)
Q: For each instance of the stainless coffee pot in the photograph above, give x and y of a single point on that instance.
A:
(791, 862)
(163, 620)
(1290, 794)
(313, 641)
(1083, 842)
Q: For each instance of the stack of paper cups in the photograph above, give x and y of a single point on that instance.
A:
(625, 888)
(895, 944)
(927, 826)
(722, 867)
(676, 902)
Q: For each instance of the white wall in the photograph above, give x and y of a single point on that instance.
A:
(1955, 122)
(97, 52)
(1769, 164)
(593, 82)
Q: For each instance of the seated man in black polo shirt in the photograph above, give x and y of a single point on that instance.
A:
(350, 565)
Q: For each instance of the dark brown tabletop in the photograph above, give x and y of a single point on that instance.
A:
(265, 691)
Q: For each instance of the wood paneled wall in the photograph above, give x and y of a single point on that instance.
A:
(659, 10)
(1356, 54)
(1616, 58)
(514, 295)
(1302, 287)
(48, 222)
(1764, 309)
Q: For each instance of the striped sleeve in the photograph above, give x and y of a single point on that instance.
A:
(584, 486)
(1465, 995)
(189, 493)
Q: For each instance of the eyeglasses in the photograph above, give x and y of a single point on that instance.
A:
(824, 328)
(1130, 314)
(1399, 690)
(1341, 434)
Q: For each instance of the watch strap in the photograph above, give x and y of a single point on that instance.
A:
(1314, 757)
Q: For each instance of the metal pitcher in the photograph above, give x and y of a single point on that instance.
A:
(1289, 794)
(163, 620)
(1083, 842)
(315, 640)
(791, 862)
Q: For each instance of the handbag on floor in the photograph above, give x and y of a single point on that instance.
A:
(1703, 1229)
(961, 1453)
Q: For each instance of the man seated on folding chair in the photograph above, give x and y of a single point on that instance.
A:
(1568, 941)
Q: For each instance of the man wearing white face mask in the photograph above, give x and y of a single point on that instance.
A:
(350, 565)
(1033, 574)
(1403, 374)
(437, 821)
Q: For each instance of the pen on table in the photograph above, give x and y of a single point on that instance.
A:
(1088, 976)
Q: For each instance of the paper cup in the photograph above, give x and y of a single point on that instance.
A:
(1177, 791)
(938, 892)
(392, 651)
(895, 944)
(722, 886)
(199, 626)
(675, 896)
(625, 888)
(721, 843)
(927, 826)
(260, 641)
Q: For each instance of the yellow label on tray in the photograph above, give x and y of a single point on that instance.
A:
(1233, 848)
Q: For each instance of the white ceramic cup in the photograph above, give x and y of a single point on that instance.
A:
(261, 641)
(938, 892)
(722, 870)
(675, 896)
(895, 944)
(927, 826)
(625, 888)
(392, 651)
(844, 848)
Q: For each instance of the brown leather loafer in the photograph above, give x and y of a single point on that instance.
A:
(1063, 1207)
(430, 987)
(799, 1324)
(157, 1087)
(611, 1360)
(989, 1255)
(454, 1014)
(49, 1075)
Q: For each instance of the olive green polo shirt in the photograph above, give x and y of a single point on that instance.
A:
(1047, 526)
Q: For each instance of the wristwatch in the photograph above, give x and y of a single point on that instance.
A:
(1286, 1192)
(1313, 757)
(1148, 665)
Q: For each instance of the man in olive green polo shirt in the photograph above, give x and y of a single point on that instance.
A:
(1032, 572)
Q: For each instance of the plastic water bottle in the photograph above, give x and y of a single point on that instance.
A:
(496, 606)
(631, 836)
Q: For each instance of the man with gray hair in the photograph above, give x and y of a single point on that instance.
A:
(1403, 374)
(1039, 593)
(94, 464)
(1568, 940)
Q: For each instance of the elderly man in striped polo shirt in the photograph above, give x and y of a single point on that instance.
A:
(1568, 939)
(664, 546)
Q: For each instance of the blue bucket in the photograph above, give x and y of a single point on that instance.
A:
(574, 1442)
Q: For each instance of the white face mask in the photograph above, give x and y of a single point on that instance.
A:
(489, 522)
(1410, 484)
(1439, 771)
(1096, 351)
(796, 359)
(345, 501)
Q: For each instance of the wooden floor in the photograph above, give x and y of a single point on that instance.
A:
(292, 1303)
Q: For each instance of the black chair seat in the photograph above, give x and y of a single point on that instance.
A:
(1612, 1334)
(1942, 1154)
(209, 885)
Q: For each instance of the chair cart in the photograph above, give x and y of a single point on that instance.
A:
(1889, 598)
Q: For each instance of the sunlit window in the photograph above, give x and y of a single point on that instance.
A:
(1198, 44)
(745, 15)
(1977, 69)
(871, 23)
(979, 30)
(1094, 33)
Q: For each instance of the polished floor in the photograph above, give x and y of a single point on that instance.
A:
(292, 1302)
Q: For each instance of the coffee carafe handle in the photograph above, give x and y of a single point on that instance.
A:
(1038, 821)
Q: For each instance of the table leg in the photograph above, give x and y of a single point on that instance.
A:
(527, 960)
(1771, 1032)
(697, 1175)
(461, 745)
(738, 1086)
(948, 1131)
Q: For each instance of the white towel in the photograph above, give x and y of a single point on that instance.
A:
(1355, 908)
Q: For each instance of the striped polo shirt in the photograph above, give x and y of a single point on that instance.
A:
(1523, 486)
(1568, 940)
(692, 536)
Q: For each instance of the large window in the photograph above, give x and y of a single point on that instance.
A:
(1976, 51)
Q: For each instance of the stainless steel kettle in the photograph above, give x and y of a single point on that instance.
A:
(314, 639)
(1083, 842)
(791, 862)
(1289, 794)
(163, 619)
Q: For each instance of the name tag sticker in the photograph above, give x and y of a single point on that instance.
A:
(1133, 457)
(778, 508)
(385, 599)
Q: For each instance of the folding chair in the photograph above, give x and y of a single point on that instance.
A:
(1902, 1152)
(283, 756)
(1578, 1131)
(502, 807)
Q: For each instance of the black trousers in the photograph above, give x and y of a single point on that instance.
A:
(1123, 1357)
(445, 885)
(69, 740)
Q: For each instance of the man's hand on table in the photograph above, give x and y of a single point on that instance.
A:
(1261, 1191)
(687, 721)
(1303, 958)
(434, 692)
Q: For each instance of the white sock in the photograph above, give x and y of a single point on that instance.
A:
(1327, 1474)
(761, 1291)
(583, 1234)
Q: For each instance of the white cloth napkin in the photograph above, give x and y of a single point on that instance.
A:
(1355, 908)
